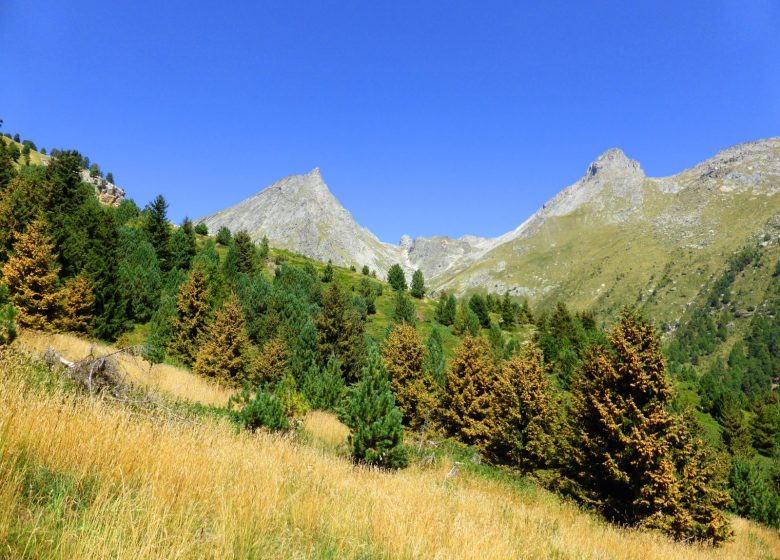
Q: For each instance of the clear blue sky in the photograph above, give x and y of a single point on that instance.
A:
(425, 117)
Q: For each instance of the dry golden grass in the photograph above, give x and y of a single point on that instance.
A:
(161, 489)
(176, 382)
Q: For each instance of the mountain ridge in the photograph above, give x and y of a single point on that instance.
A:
(614, 191)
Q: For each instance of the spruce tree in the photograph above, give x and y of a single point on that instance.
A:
(76, 300)
(415, 389)
(183, 246)
(479, 306)
(245, 253)
(508, 317)
(31, 274)
(375, 422)
(466, 321)
(158, 230)
(367, 290)
(736, 434)
(21, 202)
(634, 460)
(468, 397)
(272, 364)
(765, 426)
(222, 346)
(139, 275)
(418, 284)
(341, 332)
(192, 314)
(396, 278)
(365, 271)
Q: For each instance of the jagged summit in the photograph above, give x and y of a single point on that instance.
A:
(613, 160)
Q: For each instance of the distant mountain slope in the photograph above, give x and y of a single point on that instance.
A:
(614, 237)
(617, 237)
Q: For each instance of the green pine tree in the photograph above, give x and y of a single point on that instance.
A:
(418, 285)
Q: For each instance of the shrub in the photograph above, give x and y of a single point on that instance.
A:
(261, 409)
(202, 229)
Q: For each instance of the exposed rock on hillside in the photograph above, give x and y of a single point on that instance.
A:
(107, 193)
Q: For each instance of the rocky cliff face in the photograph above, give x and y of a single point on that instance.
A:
(107, 193)
(697, 208)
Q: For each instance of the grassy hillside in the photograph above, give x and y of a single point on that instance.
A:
(91, 478)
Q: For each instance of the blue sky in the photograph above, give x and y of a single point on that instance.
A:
(425, 117)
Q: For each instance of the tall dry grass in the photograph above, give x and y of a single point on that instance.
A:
(176, 382)
(81, 478)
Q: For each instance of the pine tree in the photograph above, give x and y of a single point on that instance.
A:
(507, 310)
(468, 398)
(272, 364)
(224, 237)
(31, 276)
(222, 346)
(396, 278)
(341, 332)
(418, 284)
(76, 300)
(376, 431)
(245, 253)
(403, 310)
(365, 271)
(466, 321)
(327, 273)
(265, 249)
(479, 306)
(415, 389)
(434, 358)
(324, 389)
(632, 458)
(192, 313)
(158, 230)
(527, 421)
(368, 291)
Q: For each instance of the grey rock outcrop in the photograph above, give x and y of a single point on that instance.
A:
(107, 193)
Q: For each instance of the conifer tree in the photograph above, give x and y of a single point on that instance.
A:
(365, 271)
(396, 278)
(76, 299)
(466, 321)
(183, 246)
(479, 306)
(245, 253)
(158, 230)
(272, 364)
(139, 275)
(327, 273)
(222, 346)
(527, 421)
(368, 292)
(31, 276)
(415, 389)
(632, 458)
(376, 430)
(21, 202)
(403, 310)
(507, 310)
(224, 237)
(192, 314)
(434, 358)
(736, 434)
(265, 249)
(765, 426)
(324, 389)
(468, 397)
(341, 332)
(418, 284)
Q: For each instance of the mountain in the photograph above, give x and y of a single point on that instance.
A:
(300, 213)
(614, 237)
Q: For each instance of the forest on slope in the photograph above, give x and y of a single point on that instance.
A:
(546, 394)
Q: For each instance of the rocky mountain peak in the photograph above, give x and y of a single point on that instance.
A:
(613, 160)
